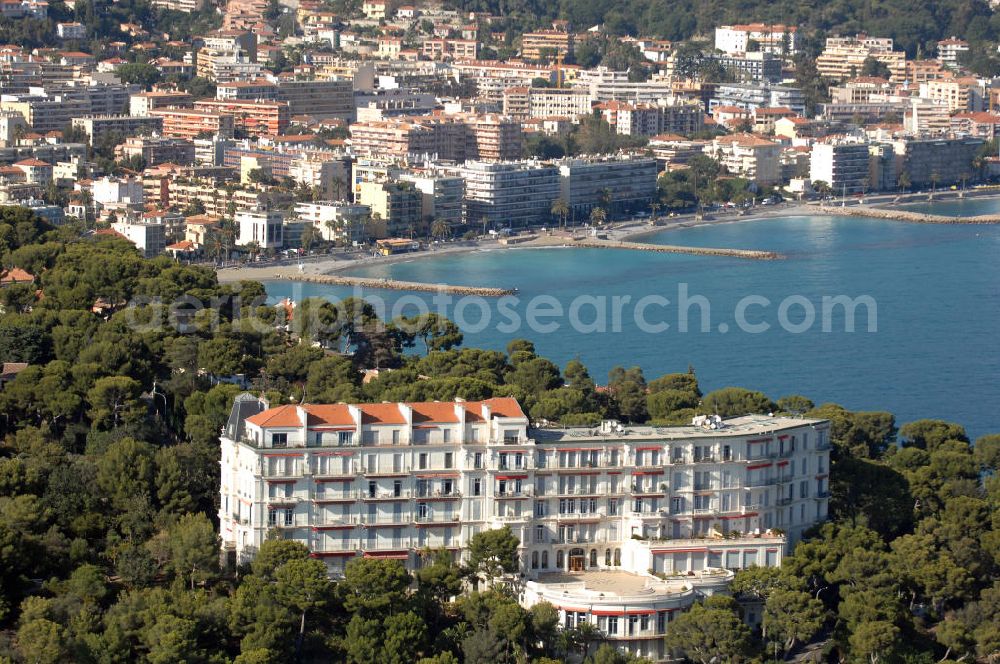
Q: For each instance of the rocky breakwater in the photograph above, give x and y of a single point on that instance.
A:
(394, 284)
(751, 254)
(905, 215)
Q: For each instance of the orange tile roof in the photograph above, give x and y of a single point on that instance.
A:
(381, 413)
(384, 413)
(15, 275)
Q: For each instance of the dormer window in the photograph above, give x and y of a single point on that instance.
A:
(279, 440)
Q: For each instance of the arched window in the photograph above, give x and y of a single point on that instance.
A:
(545, 559)
(593, 557)
(618, 557)
(559, 559)
(607, 557)
(534, 560)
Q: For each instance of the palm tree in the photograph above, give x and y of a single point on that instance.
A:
(339, 184)
(254, 249)
(440, 229)
(604, 198)
(560, 209)
(598, 216)
(654, 208)
(904, 181)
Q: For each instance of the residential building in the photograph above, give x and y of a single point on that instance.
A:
(621, 184)
(843, 166)
(747, 156)
(493, 77)
(509, 194)
(374, 9)
(691, 503)
(751, 97)
(35, 171)
(756, 67)
(71, 31)
(776, 39)
(604, 84)
(252, 117)
(652, 119)
(155, 150)
(959, 94)
(186, 6)
(191, 123)
(765, 117)
(149, 236)
(336, 221)
(99, 126)
(442, 195)
(453, 138)
(937, 162)
(111, 192)
(545, 45)
(450, 49)
(142, 103)
(397, 208)
(493, 138)
(844, 57)
(981, 125)
(262, 228)
(950, 50)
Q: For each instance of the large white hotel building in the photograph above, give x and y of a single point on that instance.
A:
(619, 525)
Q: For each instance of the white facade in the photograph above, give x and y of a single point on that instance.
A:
(381, 479)
(843, 166)
(618, 526)
(336, 221)
(149, 237)
(110, 191)
(776, 39)
(260, 227)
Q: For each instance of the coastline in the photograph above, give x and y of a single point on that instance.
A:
(629, 231)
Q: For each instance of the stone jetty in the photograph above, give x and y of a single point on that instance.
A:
(394, 284)
(905, 215)
(751, 254)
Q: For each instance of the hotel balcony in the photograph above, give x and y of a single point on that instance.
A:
(384, 495)
(511, 518)
(438, 518)
(454, 493)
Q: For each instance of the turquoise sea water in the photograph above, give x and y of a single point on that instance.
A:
(935, 352)
(961, 207)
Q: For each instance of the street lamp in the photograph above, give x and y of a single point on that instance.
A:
(162, 396)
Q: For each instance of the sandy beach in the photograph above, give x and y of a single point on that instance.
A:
(629, 231)
(623, 232)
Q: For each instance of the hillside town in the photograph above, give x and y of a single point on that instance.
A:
(294, 130)
(211, 453)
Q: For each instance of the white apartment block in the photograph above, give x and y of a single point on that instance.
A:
(776, 39)
(843, 166)
(263, 228)
(336, 220)
(149, 237)
(949, 51)
(509, 194)
(619, 526)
